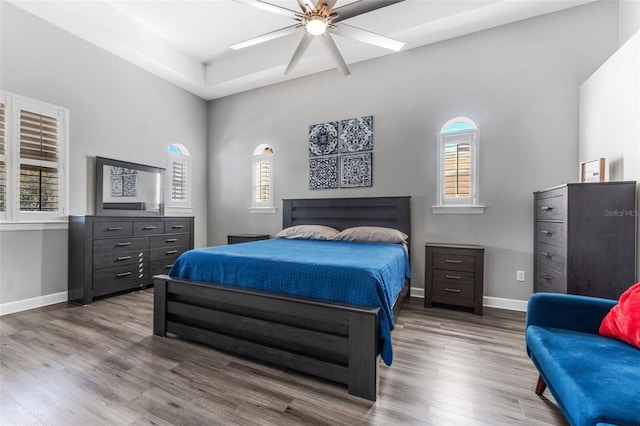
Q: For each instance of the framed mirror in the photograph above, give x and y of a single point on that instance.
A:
(128, 189)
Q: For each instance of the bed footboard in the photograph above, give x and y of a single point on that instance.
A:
(337, 342)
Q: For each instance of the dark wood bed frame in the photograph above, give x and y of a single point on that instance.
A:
(334, 341)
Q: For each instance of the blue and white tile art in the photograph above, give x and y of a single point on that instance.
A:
(356, 134)
(323, 139)
(323, 173)
(356, 170)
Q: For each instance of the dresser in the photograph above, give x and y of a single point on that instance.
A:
(585, 239)
(454, 275)
(110, 254)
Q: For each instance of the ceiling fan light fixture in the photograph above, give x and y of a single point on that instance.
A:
(316, 25)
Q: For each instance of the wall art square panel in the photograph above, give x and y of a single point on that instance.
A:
(323, 139)
(356, 134)
(356, 170)
(323, 173)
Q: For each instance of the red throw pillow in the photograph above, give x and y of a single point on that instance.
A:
(623, 320)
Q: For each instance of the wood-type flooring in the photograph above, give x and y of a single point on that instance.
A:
(100, 365)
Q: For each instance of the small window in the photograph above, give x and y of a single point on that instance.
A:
(178, 176)
(458, 171)
(262, 196)
(33, 137)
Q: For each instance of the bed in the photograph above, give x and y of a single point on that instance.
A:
(332, 340)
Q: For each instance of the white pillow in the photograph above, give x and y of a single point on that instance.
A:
(375, 234)
(308, 232)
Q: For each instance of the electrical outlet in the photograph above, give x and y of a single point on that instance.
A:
(520, 275)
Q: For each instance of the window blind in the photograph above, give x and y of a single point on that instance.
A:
(39, 151)
(179, 180)
(262, 182)
(457, 169)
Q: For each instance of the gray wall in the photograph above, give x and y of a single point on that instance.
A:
(116, 110)
(519, 83)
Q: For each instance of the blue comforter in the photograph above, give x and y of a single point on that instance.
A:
(368, 274)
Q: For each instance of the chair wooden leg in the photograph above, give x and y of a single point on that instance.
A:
(541, 386)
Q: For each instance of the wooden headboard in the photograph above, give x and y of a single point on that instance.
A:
(341, 213)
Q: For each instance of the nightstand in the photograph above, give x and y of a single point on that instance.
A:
(245, 238)
(454, 275)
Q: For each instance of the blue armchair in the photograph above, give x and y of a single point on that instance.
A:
(594, 379)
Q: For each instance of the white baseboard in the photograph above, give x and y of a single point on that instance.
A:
(32, 303)
(488, 301)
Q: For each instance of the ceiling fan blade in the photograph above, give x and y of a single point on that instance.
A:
(266, 37)
(306, 5)
(335, 54)
(271, 8)
(358, 8)
(297, 55)
(367, 37)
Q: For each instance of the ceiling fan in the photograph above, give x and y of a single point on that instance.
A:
(319, 19)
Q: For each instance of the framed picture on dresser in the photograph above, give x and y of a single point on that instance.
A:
(592, 171)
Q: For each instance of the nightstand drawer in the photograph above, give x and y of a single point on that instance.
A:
(453, 277)
(453, 293)
(455, 262)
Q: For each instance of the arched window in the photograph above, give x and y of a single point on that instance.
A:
(178, 176)
(262, 194)
(458, 167)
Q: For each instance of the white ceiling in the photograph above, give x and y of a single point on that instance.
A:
(187, 42)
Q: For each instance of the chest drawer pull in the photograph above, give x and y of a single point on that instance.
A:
(547, 255)
(453, 277)
(148, 228)
(171, 251)
(171, 240)
(123, 274)
(115, 228)
(546, 208)
(452, 290)
(178, 226)
(549, 233)
(123, 258)
(547, 277)
(168, 266)
(128, 243)
(453, 261)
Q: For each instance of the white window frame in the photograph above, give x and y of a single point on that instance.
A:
(260, 157)
(171, 205)
(13, 215)
(459, 205)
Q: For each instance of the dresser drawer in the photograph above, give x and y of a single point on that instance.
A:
(551, 256)
(111, 280)
(109, 259)
(550, 233)
(453, 277)
(161, 266)
(112, 229)
(169, 240)
(549, 280)
(552, 208)
(172, 226)
(455, 262)
(148, 227)
(120, 245)
(168, 253)
(454, 294)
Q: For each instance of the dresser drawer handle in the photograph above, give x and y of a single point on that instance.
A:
(171, 240)
(168, 266)
(546, 208)
(171, 251)
(547, 255)
(123, 274)
(453, 261)
(148, 228)
(547, 277)
(549, 233)
(452, 290)
(178, 226)
(115, 228)
(128, 243)
(453, 277)
(123, 258)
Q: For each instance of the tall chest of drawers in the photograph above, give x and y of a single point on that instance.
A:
(585, 239)
(109, 254)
